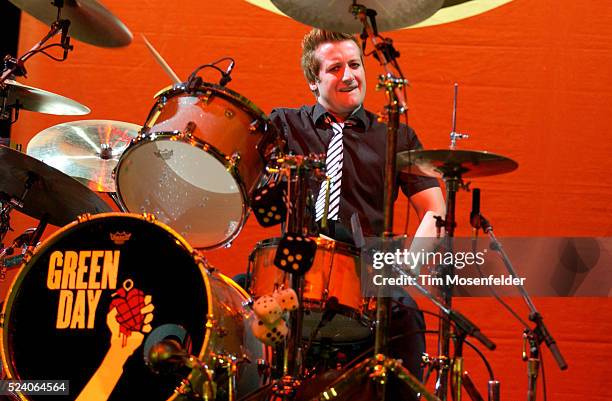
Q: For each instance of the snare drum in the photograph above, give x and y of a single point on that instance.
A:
(200, 155)
(87, 285)
(334, 273)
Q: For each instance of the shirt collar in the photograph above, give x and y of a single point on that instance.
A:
(358, 116)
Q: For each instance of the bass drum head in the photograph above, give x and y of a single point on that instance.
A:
(184, 186)
(56, 317)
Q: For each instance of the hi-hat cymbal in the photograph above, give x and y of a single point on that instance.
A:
(441, 163)
(52, 192)
(90, 21)
(87, 150)
(41, 101)
(335, 15)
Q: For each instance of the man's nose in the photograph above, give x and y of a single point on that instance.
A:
(348, 75)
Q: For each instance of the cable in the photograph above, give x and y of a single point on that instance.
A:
(484, 359)
(225, 75)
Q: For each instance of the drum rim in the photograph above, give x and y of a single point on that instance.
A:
(179, 136)
(248, 105)
(199, 259)
(338, 245)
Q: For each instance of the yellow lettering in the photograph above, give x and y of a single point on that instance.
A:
(94, 269)
(71, 259)
(110, 269)
(54, 276)
(93, 297)
(78, 312)
(80, 282)
(64, 309)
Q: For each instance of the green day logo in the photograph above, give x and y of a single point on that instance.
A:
(80, 277)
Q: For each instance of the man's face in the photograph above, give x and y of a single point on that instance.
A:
(341, 80)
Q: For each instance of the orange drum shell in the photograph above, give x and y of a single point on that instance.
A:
(224, 120)
(335, 273)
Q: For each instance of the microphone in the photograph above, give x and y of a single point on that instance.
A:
(475, 213)
(226, 76)
(65, 39)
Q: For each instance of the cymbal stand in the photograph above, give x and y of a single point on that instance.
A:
(380, 366)
(8, 203)
(295, 168)
(14, 67)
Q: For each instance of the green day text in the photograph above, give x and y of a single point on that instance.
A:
(80, 278)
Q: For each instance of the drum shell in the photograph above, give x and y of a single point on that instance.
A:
(185, 290)
(223, 119)
(335, 273)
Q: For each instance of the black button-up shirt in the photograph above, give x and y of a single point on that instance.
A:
(307, 130)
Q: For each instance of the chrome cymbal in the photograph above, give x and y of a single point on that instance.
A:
(41, 101)
(441, 163)
(51, 192)
(90, 21)
(87, 150)
(336, 15)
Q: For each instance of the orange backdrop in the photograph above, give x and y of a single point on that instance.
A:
(534, 86)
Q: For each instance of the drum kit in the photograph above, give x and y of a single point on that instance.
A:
(125, 305)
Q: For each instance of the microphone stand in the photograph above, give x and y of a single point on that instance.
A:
(15, 66)
(534, 336)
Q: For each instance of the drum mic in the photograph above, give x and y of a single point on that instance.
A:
(332, 307)
(65, 39)
(226, 76)
(167, 356)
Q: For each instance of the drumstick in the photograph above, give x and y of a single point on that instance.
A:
(162, 63)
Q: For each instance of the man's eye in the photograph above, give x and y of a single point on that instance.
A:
(355, 65)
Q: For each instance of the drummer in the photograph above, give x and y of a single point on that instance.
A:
(353, 139)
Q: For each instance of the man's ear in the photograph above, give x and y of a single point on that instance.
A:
(312, 86)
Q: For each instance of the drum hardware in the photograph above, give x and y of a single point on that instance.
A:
(169, 356)
(194, 82)
(470, 388)
(87, 21)
(454, 135)
(533, 336)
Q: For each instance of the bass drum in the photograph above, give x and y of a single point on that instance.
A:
(198, 159)
(98, 294)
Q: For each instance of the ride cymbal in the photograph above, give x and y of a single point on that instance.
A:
(442, 163)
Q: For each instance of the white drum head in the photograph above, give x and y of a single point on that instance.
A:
(185, 187)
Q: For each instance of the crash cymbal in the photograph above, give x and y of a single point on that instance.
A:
(52, 192)
(90, 21)
(445, 162)
(335, 15)
(41, 101)
(87, 150)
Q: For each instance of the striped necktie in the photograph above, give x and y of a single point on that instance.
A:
(333, 162)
